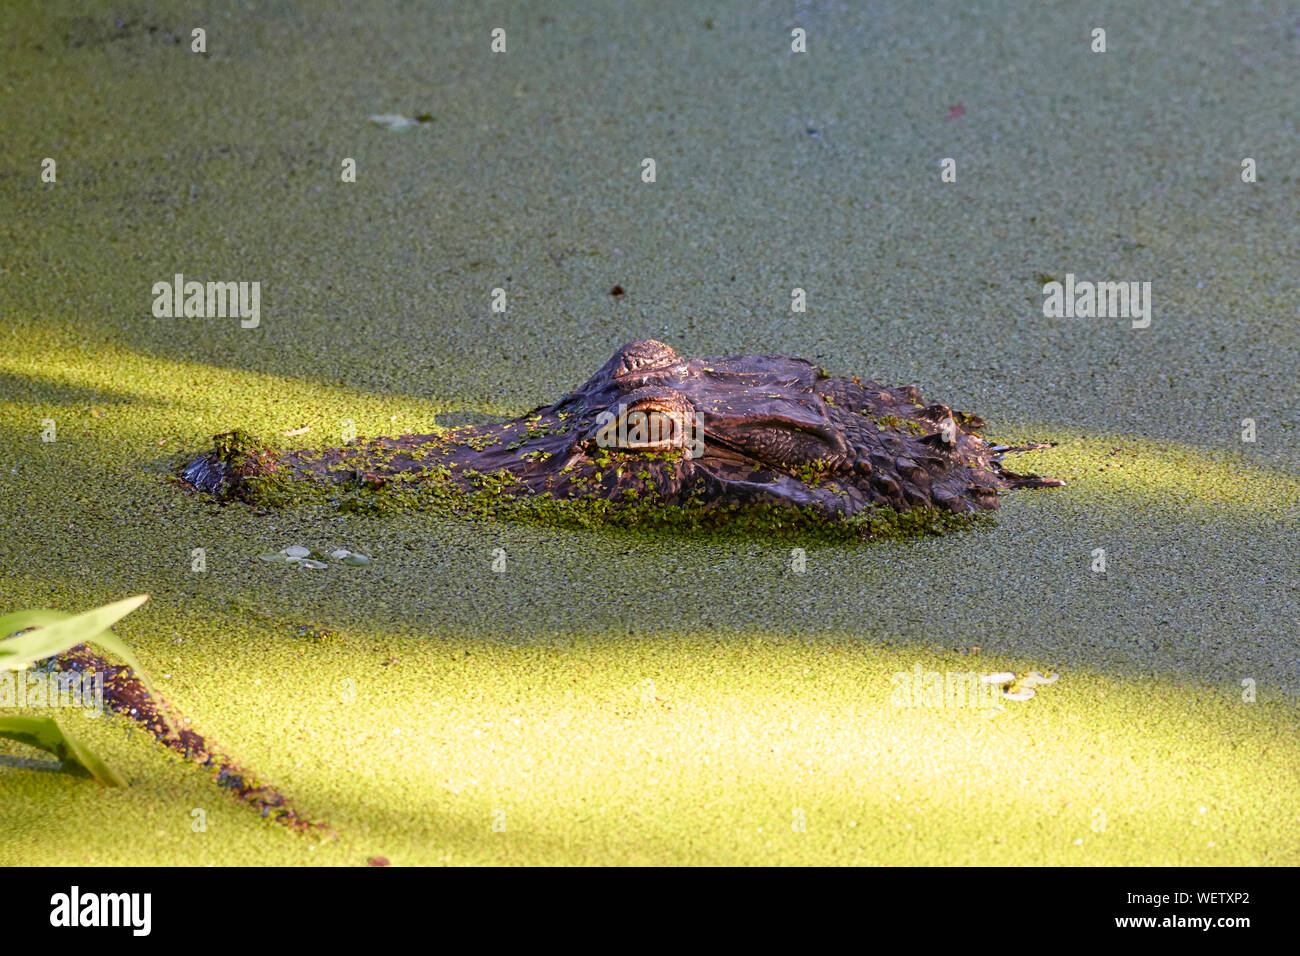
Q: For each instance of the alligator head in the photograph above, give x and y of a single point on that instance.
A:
(686, 433)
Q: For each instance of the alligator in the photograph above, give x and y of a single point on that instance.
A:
(684, 433)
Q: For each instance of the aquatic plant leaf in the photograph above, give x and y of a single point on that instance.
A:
(56, 632)
(44, 733)
(394, 121)
(998, 677)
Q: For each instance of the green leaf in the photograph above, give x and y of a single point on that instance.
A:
(44, 733)
(57, 632)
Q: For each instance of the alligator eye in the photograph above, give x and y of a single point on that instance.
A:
(647, 426)
(651, 429)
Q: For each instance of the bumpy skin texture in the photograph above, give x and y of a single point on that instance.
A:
(761, 429)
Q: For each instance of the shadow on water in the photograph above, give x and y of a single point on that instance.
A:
(41, 391)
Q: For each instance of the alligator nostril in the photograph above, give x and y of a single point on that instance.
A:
(643, 353)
